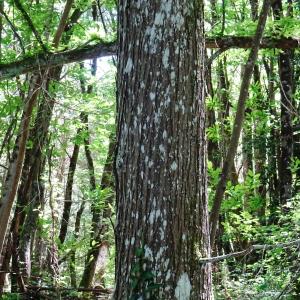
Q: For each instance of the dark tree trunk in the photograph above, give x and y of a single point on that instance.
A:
(99, 217)
(161, 156)
(99, 227)
(73, 274)
(29, 228)
(212, 145)
(272, 142)
(68, 193)
(286, 135)
(260, 142)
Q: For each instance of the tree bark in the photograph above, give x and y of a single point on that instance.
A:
(99, 229)
(29, 229)
(162, 218)
(62, 23)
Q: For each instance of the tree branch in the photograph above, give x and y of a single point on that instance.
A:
(246, 42)
(30, 24)
(248, 251)
(44, 60)
(14, 29)
(97, 289)
(62, 23)
(51, 60)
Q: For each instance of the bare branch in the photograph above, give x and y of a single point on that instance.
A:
(248, 251)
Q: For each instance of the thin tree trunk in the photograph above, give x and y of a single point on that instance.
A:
(73, 274)
(271, 143)
(212, 146)
(15, 168)
(69, 191)
(9, 133)
(260, 143)
(238, 122)
(99, 229)
(286, 135)
(29, 228)
(98, 216)
(38, 135)
(62, 24)
(223, 94)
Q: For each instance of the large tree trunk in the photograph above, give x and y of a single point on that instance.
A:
(162, 218)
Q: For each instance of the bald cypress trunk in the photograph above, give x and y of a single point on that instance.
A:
(162, 219)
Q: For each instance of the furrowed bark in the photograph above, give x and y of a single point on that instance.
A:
(160, 163)
(238, 122)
